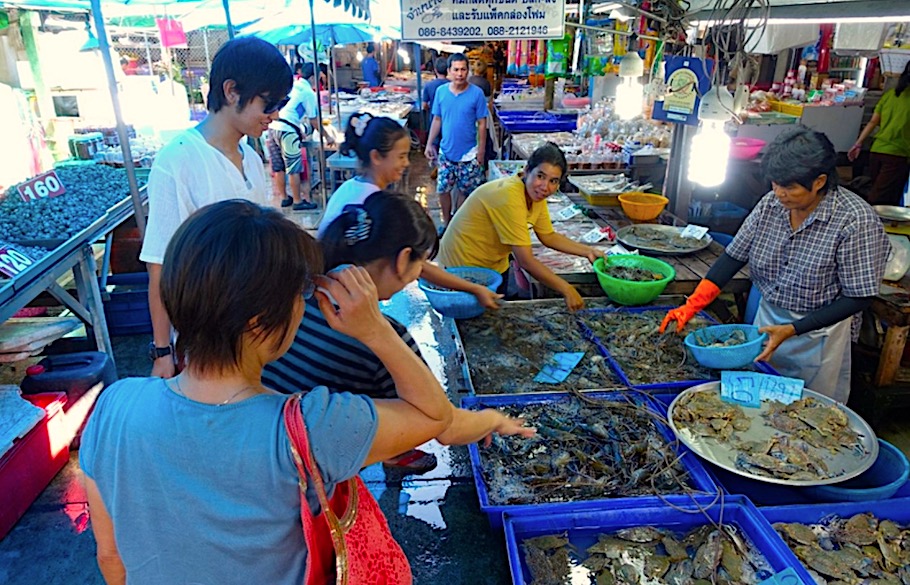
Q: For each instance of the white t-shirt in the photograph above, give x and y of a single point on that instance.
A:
(351, 192)
(190, 173)
(302, 106)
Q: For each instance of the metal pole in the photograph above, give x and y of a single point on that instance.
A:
(677, 187)
(338, 104)
(227, 19)
(105, 49)
(318, 108)
(148, 53)
(417, 69)
(205, 38)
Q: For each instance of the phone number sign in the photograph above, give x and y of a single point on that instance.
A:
(479, 20)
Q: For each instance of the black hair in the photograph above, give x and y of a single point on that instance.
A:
(219, 275)
(548, 153)
(442, 65)
(456, 57)
(255, 66)
(799, 155)
(298, 68)
(380, 134)
(903, 81)
(370, 48)
(324, 68)
(308, 70)
(384, 225)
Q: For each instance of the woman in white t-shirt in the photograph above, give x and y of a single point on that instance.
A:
(382, 147)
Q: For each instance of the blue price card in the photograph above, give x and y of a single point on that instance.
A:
(786, 577)
(750, 388)
(559, 367)
(740, 388)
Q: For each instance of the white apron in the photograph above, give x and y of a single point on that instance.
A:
(820, 358)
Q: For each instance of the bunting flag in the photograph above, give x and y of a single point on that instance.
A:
(171, 32)
(359, 8)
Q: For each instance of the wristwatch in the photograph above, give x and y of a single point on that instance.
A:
(159, 352)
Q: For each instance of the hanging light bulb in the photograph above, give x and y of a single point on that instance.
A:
(711, 145)
(629, 92)
(359, 56)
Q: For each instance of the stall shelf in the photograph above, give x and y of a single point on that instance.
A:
(74, 254)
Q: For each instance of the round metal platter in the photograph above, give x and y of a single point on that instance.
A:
(723, 455)
(626, 238)
(892, 212)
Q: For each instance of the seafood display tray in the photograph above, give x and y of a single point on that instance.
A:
(699, 477)
(583, 526)
(896, 510)
(627, 238)
(724, 456)
(679, 385)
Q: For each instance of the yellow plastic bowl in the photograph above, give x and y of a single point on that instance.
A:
(642, 206)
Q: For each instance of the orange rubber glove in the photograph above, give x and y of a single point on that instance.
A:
(705, 292)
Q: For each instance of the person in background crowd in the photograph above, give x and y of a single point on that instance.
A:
(382, 147)
(369, 67)
(460, 114)
(249, 84)
(393, 238)
(889, 159)
(480, 79)
(817, 253)
(429, 93)
(287, 139)
(493, 223)
(192, 479)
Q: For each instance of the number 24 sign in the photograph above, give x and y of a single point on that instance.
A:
(12, 261)
(44, 185)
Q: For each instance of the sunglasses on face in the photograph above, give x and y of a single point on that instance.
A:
(272, 106)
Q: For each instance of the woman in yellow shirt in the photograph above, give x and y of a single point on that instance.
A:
(494, 220)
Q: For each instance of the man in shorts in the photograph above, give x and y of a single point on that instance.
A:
(460, 113)
(287, 140)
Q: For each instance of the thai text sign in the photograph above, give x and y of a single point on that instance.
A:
(466, 20)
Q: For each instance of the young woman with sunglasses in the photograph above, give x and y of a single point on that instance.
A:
(249, 82)
(391, 236)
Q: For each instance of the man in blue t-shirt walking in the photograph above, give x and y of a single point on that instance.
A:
(460, 113)
(369, 67)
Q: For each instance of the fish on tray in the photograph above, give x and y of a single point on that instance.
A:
(659, 238)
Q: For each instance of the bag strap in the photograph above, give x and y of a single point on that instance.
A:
(306, 466)
(294, 126)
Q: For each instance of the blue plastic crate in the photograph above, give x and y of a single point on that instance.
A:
(698, 476)
(896, 510)
(126, 304)
(617, 368)
(583, 527)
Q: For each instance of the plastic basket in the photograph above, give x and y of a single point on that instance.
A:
(627, 292)
(879, 482)
(699, 478)
(458, 304)
(583, 527)
(729, 357)
(789, 109)
(617, 368)
(896, 510)
(642, 206)
(746, 148)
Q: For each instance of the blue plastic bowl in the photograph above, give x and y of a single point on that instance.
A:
(457, 304)
(881, 481)
(730, 357)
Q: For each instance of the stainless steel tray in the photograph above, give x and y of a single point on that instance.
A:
(630, 241)
(892, 212)
(723, 455)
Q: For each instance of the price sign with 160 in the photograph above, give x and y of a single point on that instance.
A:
(44, 185)
(12, 261)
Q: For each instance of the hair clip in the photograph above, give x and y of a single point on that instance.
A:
(360, 231)
(360, 123)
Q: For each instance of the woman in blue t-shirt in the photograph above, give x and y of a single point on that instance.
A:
(191, 479)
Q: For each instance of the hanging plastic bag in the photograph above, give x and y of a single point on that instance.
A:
(558, 56)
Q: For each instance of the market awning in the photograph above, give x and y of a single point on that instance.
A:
(827, 11)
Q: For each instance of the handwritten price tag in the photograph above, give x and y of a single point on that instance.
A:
(594, 235)
(559, 367)
(45, 185)
(786, 577)
(567, 213)
(750, 388)
(693, 231)
(12, 261)
(618, 249)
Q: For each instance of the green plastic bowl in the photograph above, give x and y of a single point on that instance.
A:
(627, 292)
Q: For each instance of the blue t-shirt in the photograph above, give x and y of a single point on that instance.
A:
(370, 69)
(207, 494)
(429, 91)
(459, 115)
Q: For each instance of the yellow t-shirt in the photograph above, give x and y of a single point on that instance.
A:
(492, 220)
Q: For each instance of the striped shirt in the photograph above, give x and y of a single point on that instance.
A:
(321, 356)
(840, 249)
